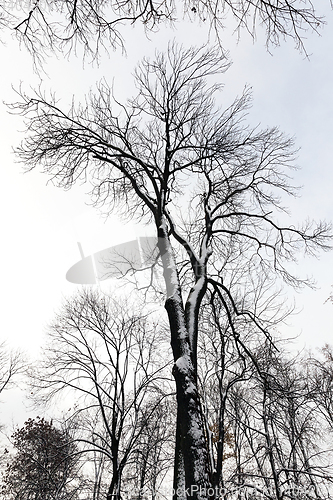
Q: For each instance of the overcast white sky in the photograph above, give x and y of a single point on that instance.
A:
(41, 224)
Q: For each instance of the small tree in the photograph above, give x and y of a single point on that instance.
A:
(45, 465)
(11, 364)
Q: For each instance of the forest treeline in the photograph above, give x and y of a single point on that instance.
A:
(268, 420)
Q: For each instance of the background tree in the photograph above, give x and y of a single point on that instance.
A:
(264, 420)
(107, 359)
(45, 465)
(281, 429)
(11, 364)
(319, 370)
(142, 158)
(153, 455)
(62, 25)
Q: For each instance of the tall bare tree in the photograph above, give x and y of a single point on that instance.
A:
(210, 185)
(12, 365)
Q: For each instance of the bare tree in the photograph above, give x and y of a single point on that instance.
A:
(106, 358)
(62, 25)
(152, 459)
(221, 367)
(319, 369)
(278, 440)
(209, 184)
(11, 364)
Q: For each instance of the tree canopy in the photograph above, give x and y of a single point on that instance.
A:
(45, 465)
(92, 24)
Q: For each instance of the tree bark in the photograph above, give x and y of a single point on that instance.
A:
(179, 471)
(190, 432)
(191, 448)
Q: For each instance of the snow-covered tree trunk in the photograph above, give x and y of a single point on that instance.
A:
(191, 471)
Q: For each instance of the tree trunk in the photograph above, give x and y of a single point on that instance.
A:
(114, 488)
(190, 440)
(179, 471)
(191, 449)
